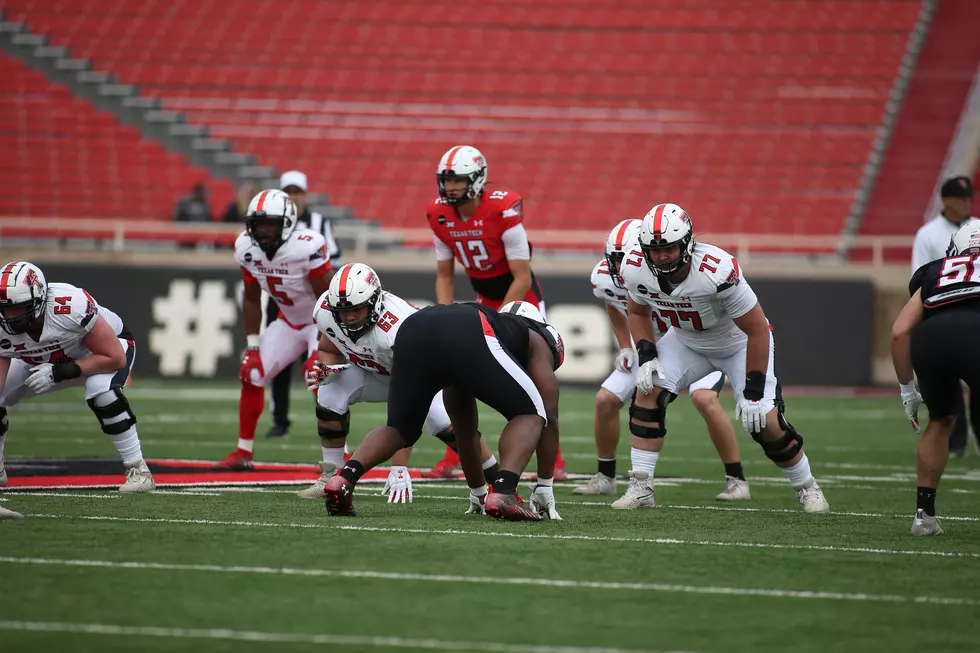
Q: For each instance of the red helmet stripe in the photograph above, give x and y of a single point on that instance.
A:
(622, 233)
(658, 219)
(452, 157)
(4, 280)
(261, 200)
(344, 273)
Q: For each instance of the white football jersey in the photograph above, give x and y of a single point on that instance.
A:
(374, 350)
(701, 308)
(604, 288)
(287, 276)
(69, 314)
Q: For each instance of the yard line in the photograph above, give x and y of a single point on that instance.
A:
(495, 580)
(529, 536)
(80, 495)
(299, 638)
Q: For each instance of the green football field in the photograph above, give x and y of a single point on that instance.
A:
(256, 569)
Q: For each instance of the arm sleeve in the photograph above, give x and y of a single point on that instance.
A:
(516, 244)
(248, 278)
(735, 293)
(443, 253)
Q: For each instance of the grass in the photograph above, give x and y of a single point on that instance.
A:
(261, 570)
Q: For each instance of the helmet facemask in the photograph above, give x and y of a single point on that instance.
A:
(354, 331)
(266, 232)
(18, 317)
(473, 186)
(615, 263)
(685, 246)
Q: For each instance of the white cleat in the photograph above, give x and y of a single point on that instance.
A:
(598, 484)
(138, 478)
(923, 524)
(9, 514)
(315, 491)
(639, 494)
(811, 496)
(735, 490)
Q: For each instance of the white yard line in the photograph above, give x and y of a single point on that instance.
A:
(493, 580)
(298, 638)
(338, 526)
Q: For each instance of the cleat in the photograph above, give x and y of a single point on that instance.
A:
(811, 496)
(315, 491)
(277, 431)
(9, 514)
(237, 460)
(508, 507)
(442, 469)
(735, 490)
(338, 496)
(924, 525)
(638, 495)
(138, 478)
(598, 484)
(560, 473)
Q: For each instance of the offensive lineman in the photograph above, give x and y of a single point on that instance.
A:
(718, 325)
(290, 263)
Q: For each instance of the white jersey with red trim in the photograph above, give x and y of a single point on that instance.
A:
(70, 314)
(605, 289)
(287, 276)
(374, 350)
(701, 308)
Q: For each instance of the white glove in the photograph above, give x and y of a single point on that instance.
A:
(398, 487)
(912, 400)
(649, 372)
(476, 504)
(625, 360)
(41, 378)
(543, 501)
(321, 374)
(753, 413)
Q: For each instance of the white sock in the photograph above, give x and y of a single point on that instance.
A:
(644, 461)
(489, 462)
(333, 455)
(799, 474)
(127, 444)
(3, 438)
(479, 491)
(246, 445)
(547, 482)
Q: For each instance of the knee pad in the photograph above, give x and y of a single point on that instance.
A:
(116, 417)
(4, 422)
(448, 437)
(783, 448)
(658, 414)
(325, 415)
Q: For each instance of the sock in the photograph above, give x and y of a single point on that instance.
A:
(490, 469)
(734, 470)
(127, 444)
(546, 482)
(352, 471)
(451, 457)
(799, 474)
(249, 410)
(479, 491)
(506, 483)
(644, 461)
(607, 467)
(246, 445)
(3, 438)
(925, 500)
(335, 456)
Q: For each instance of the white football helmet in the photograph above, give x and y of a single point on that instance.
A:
(466, 162)
(621, 241)
(666, 225)
(23, 292)
(966, 240)
(271, 219)
(353, 286)
(524, 309)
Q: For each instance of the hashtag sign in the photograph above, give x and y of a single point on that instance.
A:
(194, 327)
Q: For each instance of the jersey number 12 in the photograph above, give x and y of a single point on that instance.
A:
(472, 254)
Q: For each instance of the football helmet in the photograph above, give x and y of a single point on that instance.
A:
(354, 286)
(462, 162)
(966, 240)
(666, 225)
(621, 241)
(23, 292)
(524, 309)
(270, 220)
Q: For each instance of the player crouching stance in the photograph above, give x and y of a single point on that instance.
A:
(718, 325)
(57, 336)
(935, 338)
(358, 322)
(507, 360)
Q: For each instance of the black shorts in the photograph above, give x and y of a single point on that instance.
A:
(454, 346)
(945, 351)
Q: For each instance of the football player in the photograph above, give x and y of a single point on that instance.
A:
(718, 325)
(507, 360)
(935, 336)
(358, 321)
(291, 263)
(618, 388)
(57, 336)
(482, 228)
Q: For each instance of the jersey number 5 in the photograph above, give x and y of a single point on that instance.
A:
(957, 270)
(472, 254)
(281, 297)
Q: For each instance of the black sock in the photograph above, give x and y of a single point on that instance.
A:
(352, 470)
(735, 471)
(505, 483)
(925, 500)
(607, 467)
(490, 473)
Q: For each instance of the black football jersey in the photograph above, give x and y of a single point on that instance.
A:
(951, 283)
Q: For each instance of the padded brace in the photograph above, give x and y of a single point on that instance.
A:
(4, 422)
(784, 448)
(119, 406)
(325, 415)
(449, 437)
(658, 415)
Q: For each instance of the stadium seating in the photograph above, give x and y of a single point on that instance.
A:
(756, 117)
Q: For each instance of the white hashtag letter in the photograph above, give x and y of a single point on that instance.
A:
(193, 327)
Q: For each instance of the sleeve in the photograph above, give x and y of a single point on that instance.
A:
(595, 282)
(918, 278)
(76, 311)
(516, 244)
(513, 214)
(248, 278)
(319, 258)
(736, 296)
(443, 253)
(920, 250)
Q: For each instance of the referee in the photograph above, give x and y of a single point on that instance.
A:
(295, 185)
(931, 242)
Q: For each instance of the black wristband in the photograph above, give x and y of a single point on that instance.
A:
(755, 386)
(65, 372)
(646, 351)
